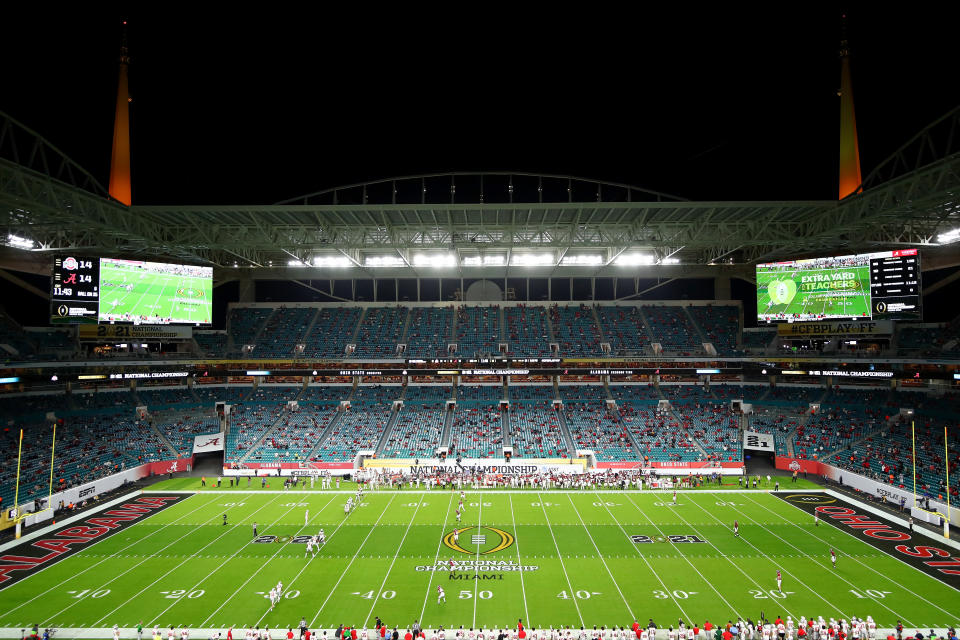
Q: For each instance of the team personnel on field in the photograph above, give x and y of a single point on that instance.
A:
(441, 595)
(833, 558)
(779, 581)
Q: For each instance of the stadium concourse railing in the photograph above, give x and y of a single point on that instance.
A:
(875, 489)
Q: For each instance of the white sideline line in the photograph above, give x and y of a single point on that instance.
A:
(823, 566)
(887, 555)
(350, 564)
(523, 589)
(98, 563)
(612, 579)
(393, 562)
(443, 529)
(573, 594)
(484, 490)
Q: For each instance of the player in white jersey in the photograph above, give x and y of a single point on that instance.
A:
(322, 537)
(644, 634)
(441, 595)
(171, 635)
(674, 497)
(833, 558)
(279, 589)
(456, 536)
(671, 634)
(779, 582)
(273, 598)
(690, 634)
(736, 527)
(116, 632)
(184, 634)
(458, 515)
(348, 505)
(310, 549)
(767, 632)
(871, 628)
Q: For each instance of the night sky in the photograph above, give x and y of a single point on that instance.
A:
(726, 103)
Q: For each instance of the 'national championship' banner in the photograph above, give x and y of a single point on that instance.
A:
(758, 441)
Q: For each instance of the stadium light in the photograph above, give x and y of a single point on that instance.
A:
(634, 259)
(434, 260)
(383, 261)
(331, 261)
(484, 261)
(18, 242)
(532, 259)
(296, 263)
(670, 261)
(944, 238)
(582, 260)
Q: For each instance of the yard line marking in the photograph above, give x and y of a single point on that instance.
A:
(476, 583)
(897, 615)
(217, 568)
(523, 589)
(128, 570)
(562, 566)
(349, 564)
(253, 573)
(885, 555)
(174, 568)
(443, 530)
(105, 558)
(392, 562)
(614, 580)
(647, 562)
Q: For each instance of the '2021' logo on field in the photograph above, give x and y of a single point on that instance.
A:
(482, 540)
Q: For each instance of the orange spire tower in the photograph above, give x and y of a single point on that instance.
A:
(120, 157)
(849, 150)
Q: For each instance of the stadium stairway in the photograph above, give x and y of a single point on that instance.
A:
(447, 433)
(385, 437)
(567, 438)
(596, 321)
(676, 416)
(313, 321)
(323, 436)
(253, 447)
(696, 326)
(164, 440)
(356, 331)
(502, 319)
(646, 326)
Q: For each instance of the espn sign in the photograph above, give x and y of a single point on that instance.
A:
(758, 441)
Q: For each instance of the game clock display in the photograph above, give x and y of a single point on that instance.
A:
(75, 290)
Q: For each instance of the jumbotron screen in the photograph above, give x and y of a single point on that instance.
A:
(109, 290)
(872, 286)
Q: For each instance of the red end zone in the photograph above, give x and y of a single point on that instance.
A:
(27, 558)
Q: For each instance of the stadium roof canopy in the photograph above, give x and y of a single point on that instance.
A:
(476, 224)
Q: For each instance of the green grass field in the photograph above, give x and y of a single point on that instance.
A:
(800, 297)
(182, 567)
(126, 289)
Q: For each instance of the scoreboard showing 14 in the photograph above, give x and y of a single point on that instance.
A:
(75, 290)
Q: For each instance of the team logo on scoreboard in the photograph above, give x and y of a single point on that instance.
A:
(62, 311)
(70, 264)
(478, 540)
(190, 293)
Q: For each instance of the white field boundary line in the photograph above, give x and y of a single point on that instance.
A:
(206, 577)
(309, 562)
(393, 562)
(600, 555)
(636, 550)
(192, 530)
(350, 564)
(825, 568)
(573, 593)
(99, 562)
(351, 491)
(886, 578)
(443, 529)
(476, 583)
(523, 590)
(254, 573)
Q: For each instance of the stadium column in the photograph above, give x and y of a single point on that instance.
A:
(721, 288)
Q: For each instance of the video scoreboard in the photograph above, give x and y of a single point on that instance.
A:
(75, 290)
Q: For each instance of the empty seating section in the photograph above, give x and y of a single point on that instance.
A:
(296, 433)
(219, 393)
(428, 393)
(325, 393)
(594, 392)
(658, 434)
(274, 394)
(747, 392)
(417, 431)
(380, 332)
(283, 331)
(860, 397)
(623, 328)
(359, 428)
(719, 325)
(758, 339)
(526, 331)
(31, 403)
(331, 332)
(795, 396)
(635, 393)
(477, 431)
(14, 337)
(575, 330)
(478, 330)
(592, 427)
(153, 398)
(104, 400)
(212, 344)
(672, 329)
(683, 394)
(245, 322)
(384, 394)
(929, 341)
(52, 342)
(480, 392)
(535, 430)
(180, 426)
(248, 423)
(531, 392)
(430, 331)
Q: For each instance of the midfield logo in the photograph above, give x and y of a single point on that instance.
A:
(498, 540)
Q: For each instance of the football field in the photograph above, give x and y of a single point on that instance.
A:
(126, 289)
(579, 558)
(814, 292)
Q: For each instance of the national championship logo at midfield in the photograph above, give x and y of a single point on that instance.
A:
(478, 540)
